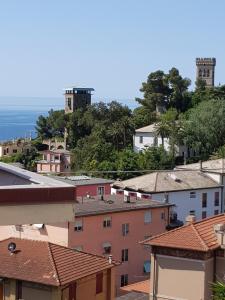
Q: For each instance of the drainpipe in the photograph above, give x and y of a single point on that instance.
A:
(154, 277)
(221, 204)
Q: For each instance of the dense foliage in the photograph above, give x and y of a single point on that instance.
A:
(101, 136)
(218, 291)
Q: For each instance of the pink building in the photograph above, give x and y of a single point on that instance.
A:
(88, 186)
(106, 227)
(54, 161)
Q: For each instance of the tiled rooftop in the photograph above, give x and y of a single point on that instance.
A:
(113, 203)
(199, 236)
(212, 166)
(47, 263)
(166, 181)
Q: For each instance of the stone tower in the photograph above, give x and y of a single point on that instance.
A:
(77, 98)
(206, 70)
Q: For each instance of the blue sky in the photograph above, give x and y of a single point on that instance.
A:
(109, 45)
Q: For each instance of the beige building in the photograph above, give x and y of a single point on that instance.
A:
(185, 261)
(44, 271)
(28, 198)
(15, 147)
(205, 70)
(77, 97)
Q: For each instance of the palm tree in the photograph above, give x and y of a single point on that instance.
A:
(218, 289)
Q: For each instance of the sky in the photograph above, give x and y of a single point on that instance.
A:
(112, 46)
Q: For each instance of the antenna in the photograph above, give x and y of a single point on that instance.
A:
(12, 247)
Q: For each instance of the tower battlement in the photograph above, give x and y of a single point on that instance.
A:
(206, 61)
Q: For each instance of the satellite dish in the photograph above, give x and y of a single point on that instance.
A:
(11, 247)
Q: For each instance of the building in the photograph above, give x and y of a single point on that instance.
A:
(192, 192)
(147, 137)
(214, 169)
(87, 186)
(110, 227)
(205, 70)
(41, 270)
(20, 146)
(76, 97)
(136, 291)
(187, 260)
(55, 144)
(28, 198)
(54, 161)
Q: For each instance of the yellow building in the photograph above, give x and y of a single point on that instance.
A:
(44, 271)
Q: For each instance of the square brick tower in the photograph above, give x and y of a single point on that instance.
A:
(206, 70)
(77, 98)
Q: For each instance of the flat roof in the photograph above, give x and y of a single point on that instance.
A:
(19, 185)
(82, 180)
(112, 204)
(74, 88)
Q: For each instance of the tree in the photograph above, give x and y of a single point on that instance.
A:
(156, 92)
(218, 289)
(204, 127)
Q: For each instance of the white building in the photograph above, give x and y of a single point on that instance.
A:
(192, 192)
(147, 136)
(215, 169)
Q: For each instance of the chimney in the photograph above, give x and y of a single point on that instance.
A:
(110, 259)
(220, 231)
(190, 219)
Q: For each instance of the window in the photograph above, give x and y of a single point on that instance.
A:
(107, 222)
(163, 216)
(204, 199)
(217, 199)
(148, 217)
(124, 280)
(69, 103)
(147, 267)
(107, 247)
(192, 212)
(78, 225)
(216, 212)
(204, 214)
(124, 256)
(72, 291)
(19, 289)
(101, 190)
(14, 150)
(125, 229)
(99, 283)
(141, 139)
(192, 195)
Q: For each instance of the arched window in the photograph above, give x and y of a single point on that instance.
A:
(204, 73)
(208, 73)
(200, 73)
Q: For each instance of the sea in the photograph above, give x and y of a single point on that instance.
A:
(18, 116)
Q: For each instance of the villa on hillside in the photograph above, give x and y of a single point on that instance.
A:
(147, 136)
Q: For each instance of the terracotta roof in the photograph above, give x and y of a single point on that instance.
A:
(47, 263)
(141, 287)
(199, 236)
(149, 128)
(165, 181)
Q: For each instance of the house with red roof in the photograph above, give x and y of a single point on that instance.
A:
(45, 271)
(185, 261)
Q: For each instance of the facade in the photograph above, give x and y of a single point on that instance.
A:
(76, 97)
(214, 169)
(110, 227)
(187, 260)
(54, 161)
(192, 192)
(205, 70)
(147, 137)
(55, 144)
(15, 147)
(40, 270)
(89, 187)
(27, 198)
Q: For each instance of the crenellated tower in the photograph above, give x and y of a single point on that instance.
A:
(206, 70)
